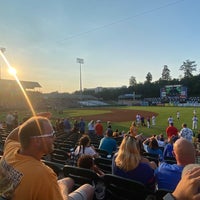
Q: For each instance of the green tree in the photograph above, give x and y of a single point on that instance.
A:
(188, 67)
(149, 77)
(132, 81)
(166, 73)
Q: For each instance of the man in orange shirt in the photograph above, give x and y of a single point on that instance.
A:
(29, 176)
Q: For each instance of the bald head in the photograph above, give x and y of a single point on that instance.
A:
(184, 152)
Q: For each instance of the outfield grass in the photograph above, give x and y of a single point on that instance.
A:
(163, 113)
(186, 115)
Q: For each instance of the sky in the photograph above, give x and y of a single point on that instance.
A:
(116, 39)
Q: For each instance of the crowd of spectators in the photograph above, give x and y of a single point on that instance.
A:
(27, 143)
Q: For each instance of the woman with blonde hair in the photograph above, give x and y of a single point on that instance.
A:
(128, 163)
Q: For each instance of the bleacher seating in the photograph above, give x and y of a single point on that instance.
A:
(104, 164)
(80, 175)
(118, 188)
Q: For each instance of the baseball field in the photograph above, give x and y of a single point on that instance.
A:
(122, 117)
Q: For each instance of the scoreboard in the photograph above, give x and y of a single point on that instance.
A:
(170, 91)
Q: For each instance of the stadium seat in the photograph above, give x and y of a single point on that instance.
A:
(118, 188)
(80, 175)
(104, 164)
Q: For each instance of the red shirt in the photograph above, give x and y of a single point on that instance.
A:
(171, 130)
(99, 129)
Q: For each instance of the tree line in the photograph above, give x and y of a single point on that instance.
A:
(149, 89)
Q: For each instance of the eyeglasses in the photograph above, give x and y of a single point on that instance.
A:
(52, 134)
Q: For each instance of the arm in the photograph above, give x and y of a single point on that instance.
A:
(145, 144)
(147, 141)
(97, 170)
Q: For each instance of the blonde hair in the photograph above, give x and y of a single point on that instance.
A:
(128, 157)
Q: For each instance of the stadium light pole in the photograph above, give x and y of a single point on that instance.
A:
(2, 49)
(80, 61)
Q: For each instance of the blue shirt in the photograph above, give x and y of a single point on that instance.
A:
(154, 151)
(168, 151)
(67, 125)
(143, 173)
(108, 144)
(168, 176)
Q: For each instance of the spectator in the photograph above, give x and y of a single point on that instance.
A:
(87, 162)
(186, 132)
(85, 147)
(140, 147)
(160, 141)
(171, 130)
(127, 163)
(15, 121)
(133, 129)
(162, 137)
(75, 128)
(67, 125)
(151, 146)
(56, 124)
(116, 134)
(24, 147)
(168, 175)
(82, 126)
(10, 121)
(109, 126)
(107, 143)
(61, 125)
(98, 128)
(168, 149)
(91, 130)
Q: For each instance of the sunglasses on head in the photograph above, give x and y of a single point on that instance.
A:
(130, 136)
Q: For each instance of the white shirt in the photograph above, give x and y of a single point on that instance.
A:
(186, 133)
(88, 151)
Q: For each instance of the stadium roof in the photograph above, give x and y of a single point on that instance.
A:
(4, 83)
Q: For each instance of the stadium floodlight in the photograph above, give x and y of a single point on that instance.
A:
(80, 61)
(2, 49)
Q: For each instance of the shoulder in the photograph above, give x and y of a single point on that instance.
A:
(171, 167)
(113, 140)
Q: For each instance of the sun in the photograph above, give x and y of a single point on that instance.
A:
(12, 71)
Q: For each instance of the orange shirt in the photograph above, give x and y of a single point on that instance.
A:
(33, 179)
